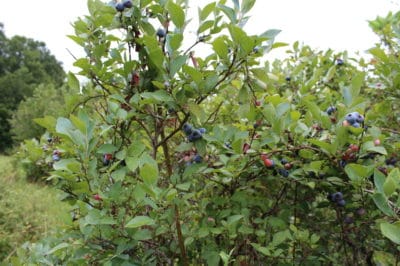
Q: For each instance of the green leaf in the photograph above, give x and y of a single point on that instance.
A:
(379, 53)
(143, 234)
(205, 12)
(240, 37)
(356, 83)
(382, 203)
(379, 180)
(389, 187)
(155, 53)
(149, 174)
(205, 26)
(48, 122)
(234, 218)
(220, 47)
(229, 12)
(176, 64)
(391, 182)
(70, 165)
(159, 96)
(357, 173)
(325, 146)
(270, 34)
(132, 163)
(73, 82)
(58, 247)
(391, 231)
(174, 41)
(247, 5)
(176, 13)
(107, 148)
(263, 250)
(139, 221)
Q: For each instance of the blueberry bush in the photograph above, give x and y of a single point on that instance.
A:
(223, 159)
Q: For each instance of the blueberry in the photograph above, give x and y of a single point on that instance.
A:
(283, 172)
(120, 7)
(348, 220)
(341, 203)
(127, 4)
(284, 161)
(202, 130)
(339, 62)
(288, 79)
(360, 211)
(228, 145)
(49, 140)
(197, 159)
(330, 110)
(337, 196)
(330, 197)
(56, 157)
(187, 128)
(351, 118)
(161, 33)
(356, 125)
(195, 135)
(391, 161)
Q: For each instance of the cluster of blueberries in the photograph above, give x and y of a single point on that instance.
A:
(337, 198)
(122, 5)
(192, 133)
(354, 119)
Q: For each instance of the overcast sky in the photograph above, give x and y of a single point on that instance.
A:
(339, 24)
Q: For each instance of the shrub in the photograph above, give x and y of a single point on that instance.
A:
(279, 181)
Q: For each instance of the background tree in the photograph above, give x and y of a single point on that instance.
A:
(46, 100)
(24, 64)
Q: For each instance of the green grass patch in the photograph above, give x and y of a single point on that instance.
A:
(28, 211)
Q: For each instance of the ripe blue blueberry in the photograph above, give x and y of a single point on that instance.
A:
(288, 79)
(119, 7)
(339, 62)
(56, 157)
(228, 145)
(351, 118)
(195, 135)
(187, 128)
(348, 220)
(202, 130)
(341, 203)
(283, 172)
(330, 110)
(128, 4)
(356, 124)
(337, 196)
(161, 33)
(197, 159)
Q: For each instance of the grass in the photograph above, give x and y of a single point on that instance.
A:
(28, 211)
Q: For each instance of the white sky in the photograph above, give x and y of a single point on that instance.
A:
(336, 24)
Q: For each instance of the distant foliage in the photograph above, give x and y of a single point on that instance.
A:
(46, 100)
(24, 64)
